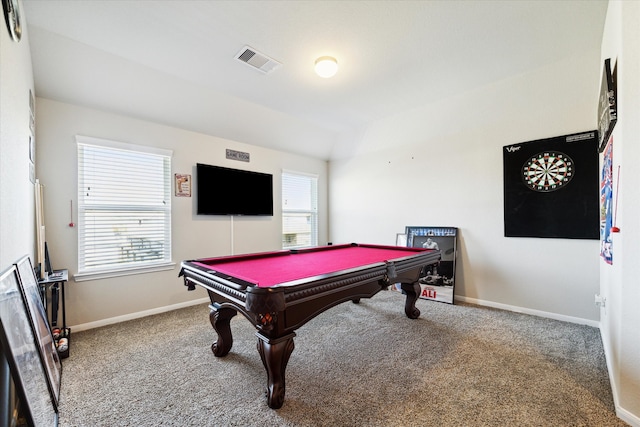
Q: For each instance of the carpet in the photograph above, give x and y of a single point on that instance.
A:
(361, 364)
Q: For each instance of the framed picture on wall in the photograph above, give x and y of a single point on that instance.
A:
(32, 138)
(437, 281)
(183, 185)
(607, 105)
(32, 149)
(20, 350)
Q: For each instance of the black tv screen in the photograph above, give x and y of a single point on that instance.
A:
(225, 191)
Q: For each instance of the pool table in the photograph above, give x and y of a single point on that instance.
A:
(280, 291)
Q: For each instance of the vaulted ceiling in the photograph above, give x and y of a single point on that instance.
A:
(173, 62)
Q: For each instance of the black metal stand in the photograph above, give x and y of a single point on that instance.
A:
(55, 283)
(52, 293)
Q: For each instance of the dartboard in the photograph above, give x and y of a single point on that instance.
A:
(547, 171)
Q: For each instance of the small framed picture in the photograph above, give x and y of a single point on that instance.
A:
(32, 149)
(32, 104)
(183, 185)
(20, 350)
(32, 172)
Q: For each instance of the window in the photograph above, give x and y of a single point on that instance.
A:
(299, 210)
(124, 208)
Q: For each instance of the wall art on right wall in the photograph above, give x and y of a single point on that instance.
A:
(551, 187)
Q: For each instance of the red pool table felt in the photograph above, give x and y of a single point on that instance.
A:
(288, 266)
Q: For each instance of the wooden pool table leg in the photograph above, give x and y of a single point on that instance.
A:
(275, 356)
(412, 290)
(220, 319)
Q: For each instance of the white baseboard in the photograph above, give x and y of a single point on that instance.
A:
(623, 414)
(137, 315)
(516, 309)
(627, 417)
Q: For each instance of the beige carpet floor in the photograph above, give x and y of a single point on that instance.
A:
(354, 365)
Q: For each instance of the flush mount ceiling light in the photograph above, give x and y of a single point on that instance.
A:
(326, 66)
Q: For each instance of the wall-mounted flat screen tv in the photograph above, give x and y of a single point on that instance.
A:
(225, 191)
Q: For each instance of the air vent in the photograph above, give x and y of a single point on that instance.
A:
(257, 60)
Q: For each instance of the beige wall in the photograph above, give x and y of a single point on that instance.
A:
(620, 317)
(441, 165)
(17, 214)
(91, 303)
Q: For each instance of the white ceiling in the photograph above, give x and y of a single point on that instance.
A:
(172, 62)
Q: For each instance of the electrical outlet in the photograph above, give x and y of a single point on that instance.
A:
(600, 301)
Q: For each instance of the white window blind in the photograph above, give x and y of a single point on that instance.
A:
(124, 206)
(299, 210)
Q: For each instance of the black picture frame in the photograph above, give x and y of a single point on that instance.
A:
(437, 281)
(40, 326)
(607, 105)
(19, 346)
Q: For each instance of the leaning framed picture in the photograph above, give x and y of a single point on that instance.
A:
(40, 326)
(437, 281)
(20, 349)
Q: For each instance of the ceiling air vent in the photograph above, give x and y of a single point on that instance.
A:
(257, 60)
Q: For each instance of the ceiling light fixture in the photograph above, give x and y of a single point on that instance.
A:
(326, 66)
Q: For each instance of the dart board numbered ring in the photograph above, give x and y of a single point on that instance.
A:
(547, 171)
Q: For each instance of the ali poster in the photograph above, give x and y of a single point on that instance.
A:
(551, 187)
(606, 203)
(437, 281)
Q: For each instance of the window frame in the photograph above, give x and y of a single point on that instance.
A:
(113, 270)
(313, 211)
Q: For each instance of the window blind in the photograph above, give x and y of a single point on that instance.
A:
(299, 210)
(124, 206)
